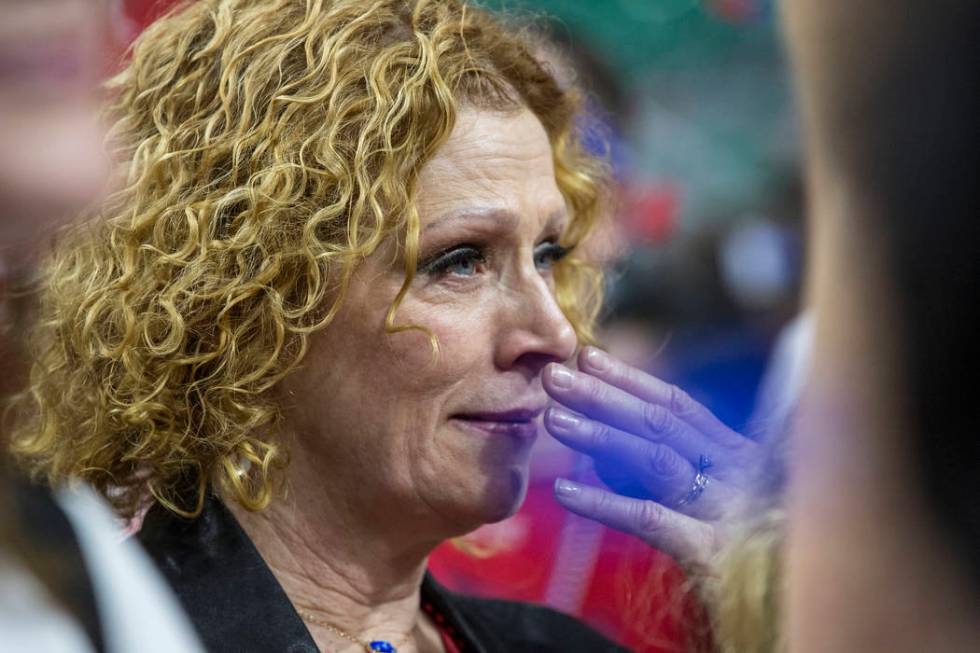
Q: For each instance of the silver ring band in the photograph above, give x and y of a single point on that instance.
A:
(700, 482)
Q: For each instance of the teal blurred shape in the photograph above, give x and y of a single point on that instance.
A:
(711, 102)
(639, 35)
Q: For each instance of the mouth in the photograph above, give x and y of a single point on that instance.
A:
(518, 422)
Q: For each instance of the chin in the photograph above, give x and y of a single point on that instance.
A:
(504, 496)
(494, 500)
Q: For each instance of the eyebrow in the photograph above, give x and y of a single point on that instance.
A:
(497, 214)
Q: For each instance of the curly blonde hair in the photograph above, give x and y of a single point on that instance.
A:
(268, 147)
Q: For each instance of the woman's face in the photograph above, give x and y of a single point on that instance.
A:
(446, 439)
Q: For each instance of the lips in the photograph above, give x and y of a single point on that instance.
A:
(516, 422)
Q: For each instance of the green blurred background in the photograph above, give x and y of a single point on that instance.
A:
(703, 98)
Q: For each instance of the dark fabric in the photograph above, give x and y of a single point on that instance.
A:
(43, 527)
(237, 604)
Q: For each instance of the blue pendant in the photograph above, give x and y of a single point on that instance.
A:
(382, 646)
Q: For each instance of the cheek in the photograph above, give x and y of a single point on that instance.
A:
(464, 345)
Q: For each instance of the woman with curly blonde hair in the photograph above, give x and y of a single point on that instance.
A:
(311, 325)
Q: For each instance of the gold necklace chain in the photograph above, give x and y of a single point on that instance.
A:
(386, 647)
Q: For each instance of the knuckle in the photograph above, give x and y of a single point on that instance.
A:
(662, 461)
(602, 504)
(648, 517)
(595, 392)
(656, 418)
(680, 402)
(601, 436)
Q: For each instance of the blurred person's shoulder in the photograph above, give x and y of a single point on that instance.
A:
(138, 609)
(70, 583)
(30, 620)
(47, 600)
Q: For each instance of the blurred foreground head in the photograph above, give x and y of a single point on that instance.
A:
(51, 165)
(885, 528)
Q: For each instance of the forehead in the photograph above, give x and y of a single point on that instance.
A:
(492, 160)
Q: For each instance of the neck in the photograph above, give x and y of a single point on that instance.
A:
(340, 565)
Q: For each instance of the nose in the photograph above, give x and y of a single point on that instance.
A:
(533, 330)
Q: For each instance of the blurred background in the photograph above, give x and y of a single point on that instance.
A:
(693, 107)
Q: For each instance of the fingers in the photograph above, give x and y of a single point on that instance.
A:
(648, 388)
(663, 473)
(685, 538)
(602, 402)
(625, 461)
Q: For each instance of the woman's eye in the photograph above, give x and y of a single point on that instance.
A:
(464, 261)
(548, 253)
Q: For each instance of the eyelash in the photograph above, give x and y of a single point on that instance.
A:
(555, 251)
(444, 261)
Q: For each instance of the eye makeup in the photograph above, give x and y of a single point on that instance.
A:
(466, 257)
(548, 253)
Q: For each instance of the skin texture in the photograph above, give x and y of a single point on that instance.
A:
(388, 459)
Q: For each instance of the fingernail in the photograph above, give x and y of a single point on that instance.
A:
(596, 359)
(566, 488)
(562, 377)
(563, 420)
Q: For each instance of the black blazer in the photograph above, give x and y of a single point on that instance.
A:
(238, 606)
